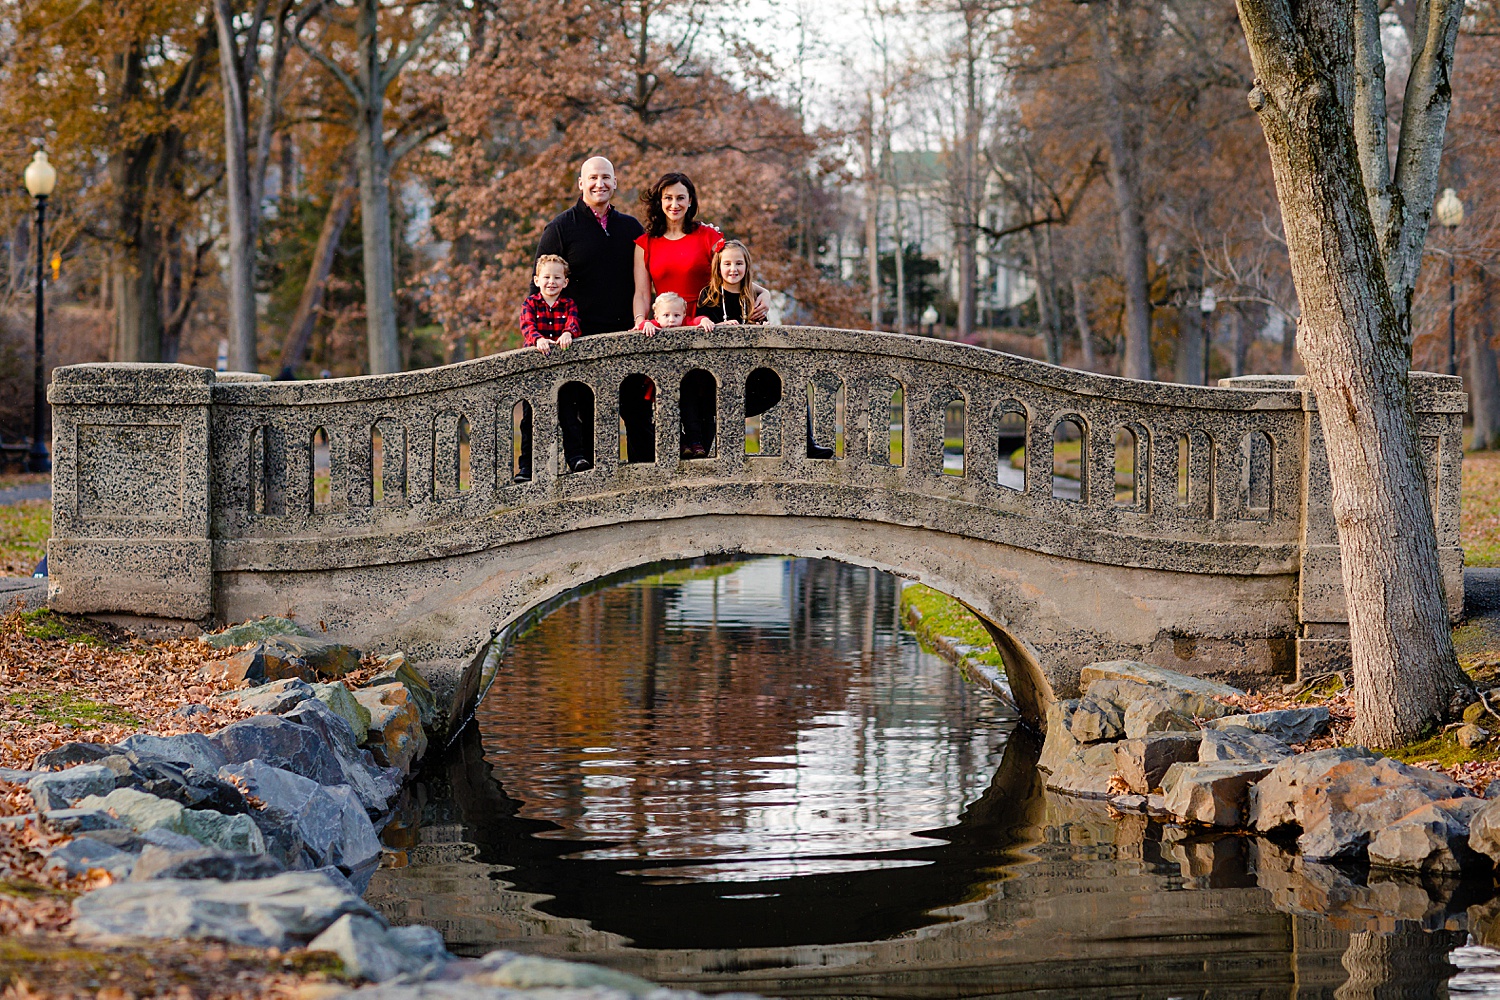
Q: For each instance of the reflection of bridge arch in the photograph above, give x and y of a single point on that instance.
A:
(183, 494)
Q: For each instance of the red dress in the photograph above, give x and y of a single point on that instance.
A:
(681, 265)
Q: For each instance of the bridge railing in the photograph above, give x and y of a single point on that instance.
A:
(182, 474)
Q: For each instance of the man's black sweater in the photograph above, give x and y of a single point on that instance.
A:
(601, 265)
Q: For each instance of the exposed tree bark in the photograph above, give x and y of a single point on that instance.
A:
(1124, 147)
(1190, 368)
(872, 216)
(1484, 381)
(1081, 317)
(246, 157)
(309, 306)
(139, 173)
(367, 86)
(1239, 339)
(1354, 342)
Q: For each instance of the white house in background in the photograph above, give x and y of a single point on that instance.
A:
(921, 184)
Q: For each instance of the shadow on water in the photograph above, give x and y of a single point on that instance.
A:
(720, 789)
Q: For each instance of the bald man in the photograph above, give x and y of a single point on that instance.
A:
(598, 243)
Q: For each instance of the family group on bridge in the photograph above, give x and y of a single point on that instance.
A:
(599, 270)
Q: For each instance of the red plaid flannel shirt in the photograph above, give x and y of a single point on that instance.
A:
(538, 319)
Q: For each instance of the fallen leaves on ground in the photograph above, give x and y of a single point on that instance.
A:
(25, 527)
(101, 687)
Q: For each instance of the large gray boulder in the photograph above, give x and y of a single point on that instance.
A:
(273, 698)
(142, 812)
(70, 754)
(375, 785)
(308, 825)
(203, 862)
(1354, 800)
(1097, 719)
(368, 950)
(1086, 772)
(1276, 801)
(1141, 762)
(341, 702)
(1289, 725)
(60, 789)
(278, 912)
(399, 670)
(1484, 828)
(187, 750)
(1060, 742)
(1155, 714)
(252, 631)
(1433, 838)
(1212, 793)
(1153, 676)
(282, 743)
(84, 854)
(1238, 743)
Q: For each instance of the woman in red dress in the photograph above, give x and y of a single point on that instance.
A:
(675, 254)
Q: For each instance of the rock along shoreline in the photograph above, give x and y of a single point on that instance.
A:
(265, 833)
(1154, 741)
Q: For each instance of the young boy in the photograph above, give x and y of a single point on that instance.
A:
(547, 317)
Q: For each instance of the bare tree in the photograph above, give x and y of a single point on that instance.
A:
(376, 153)
(1355, 231)
(245, 58)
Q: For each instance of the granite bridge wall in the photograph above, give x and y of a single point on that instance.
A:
(1196, 532)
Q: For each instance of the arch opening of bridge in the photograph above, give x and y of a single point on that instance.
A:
(1183, 525)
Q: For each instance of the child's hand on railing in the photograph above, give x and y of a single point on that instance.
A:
(544, 345)
(564, 341)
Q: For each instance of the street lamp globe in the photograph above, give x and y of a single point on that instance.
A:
(41, 176)
(1210, 300)
(1450, 211)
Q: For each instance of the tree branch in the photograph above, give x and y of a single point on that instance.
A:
(392, 69)
(334, 68)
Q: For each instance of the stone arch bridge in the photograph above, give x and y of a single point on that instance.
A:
(1195, 531)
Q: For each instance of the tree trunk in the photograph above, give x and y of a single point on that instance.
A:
(300, 331)
(900, 264)
(1352, 341)
(375, 203)
(137, 305)
(1190, 367)
(1484, 381)
(1239, 333)
(1085, 331)
(872, 238)
(1130, 223)
(241, 277)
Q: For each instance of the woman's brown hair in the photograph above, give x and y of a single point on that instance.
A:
(714, 293)
(656, 219)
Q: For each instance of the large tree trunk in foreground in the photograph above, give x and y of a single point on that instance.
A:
(1353, 343)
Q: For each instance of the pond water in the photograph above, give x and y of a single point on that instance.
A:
(750, 777)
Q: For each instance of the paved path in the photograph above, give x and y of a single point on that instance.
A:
(31, 491)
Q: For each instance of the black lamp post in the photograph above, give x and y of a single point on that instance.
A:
(41, 177)
(1450, 215)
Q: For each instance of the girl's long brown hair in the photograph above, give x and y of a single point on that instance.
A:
(656, 219)
(714, 293)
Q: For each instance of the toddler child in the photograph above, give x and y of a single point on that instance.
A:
(547, 317)
(670, 309)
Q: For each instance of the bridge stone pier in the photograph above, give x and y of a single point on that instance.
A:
(1197, 533)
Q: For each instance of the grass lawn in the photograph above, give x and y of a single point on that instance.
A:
(1479, 522)
(24, 529)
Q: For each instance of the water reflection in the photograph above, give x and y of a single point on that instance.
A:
(754, 780)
